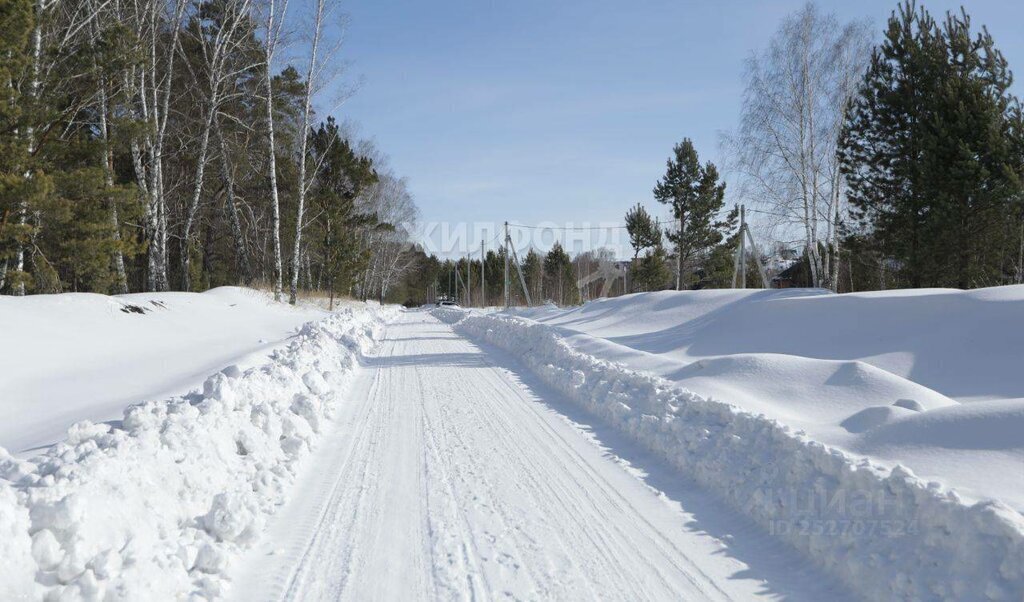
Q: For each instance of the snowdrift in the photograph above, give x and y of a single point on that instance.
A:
(847, 369)
(960, 343)
(80, 356)
(869, 520)
(156, 505)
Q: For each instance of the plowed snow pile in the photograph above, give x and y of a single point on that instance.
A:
(156, 505)
(881, 433)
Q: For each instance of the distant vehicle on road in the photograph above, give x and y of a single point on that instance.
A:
(447, 303)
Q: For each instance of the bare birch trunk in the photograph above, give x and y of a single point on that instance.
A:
(197, 192)
(304, 142)
(270, 45)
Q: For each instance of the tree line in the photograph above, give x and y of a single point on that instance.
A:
(167, 144)
(550, 276)
(891, 164)
(894, 165)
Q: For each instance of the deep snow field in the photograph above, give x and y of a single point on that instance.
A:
(79, 356)
(107, 496)
(931, 379)
(146, 441)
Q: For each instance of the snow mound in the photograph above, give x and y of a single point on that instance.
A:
(81, 356)
(886, 532)
(872, 417)
(986, 425)
(157, 505)
(955, 342)
(842, 368)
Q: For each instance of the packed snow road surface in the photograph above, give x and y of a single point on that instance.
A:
(450, 474)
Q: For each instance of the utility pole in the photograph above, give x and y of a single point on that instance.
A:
(483, 283)
(469, 280)
(508, 240)
(739, 267)
(679, 256)
(522, 279)
(743, 247)
(757, 259)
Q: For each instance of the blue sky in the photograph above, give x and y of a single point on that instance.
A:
(565, 111)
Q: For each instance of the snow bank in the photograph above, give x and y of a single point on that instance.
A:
(958, 343)
(884, 374)
(156, 506)
(884, 531)
(79, 356)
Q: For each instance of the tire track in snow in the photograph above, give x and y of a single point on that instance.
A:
(640, 527)
(452, 479)
(671, 552)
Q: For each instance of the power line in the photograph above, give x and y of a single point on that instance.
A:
(671, 222)
(574, 228)
(779, 215)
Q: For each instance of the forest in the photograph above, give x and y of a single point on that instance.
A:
(160, 145)
(172, 145)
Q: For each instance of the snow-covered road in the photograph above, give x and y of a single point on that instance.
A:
(451, 474)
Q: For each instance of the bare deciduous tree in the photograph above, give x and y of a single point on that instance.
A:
(797, 91)
(275, 12)
(318, 74)
(389, 199)
(217, 47)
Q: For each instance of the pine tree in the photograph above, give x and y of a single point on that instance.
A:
(928, 154)
(652, 272)
(558, 273)
(717, 270)
(23, 186)
(644, 235)
(643, 230)
(341, 178)
(695, 195)
(533, 273)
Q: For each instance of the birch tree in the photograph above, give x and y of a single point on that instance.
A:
(151, 84)
(306, 124)
(216, 29)
(275, 12)
(108, 97)
(320, 70)
(391, 202)
(796, 93)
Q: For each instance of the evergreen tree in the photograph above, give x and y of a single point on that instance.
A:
(79, 238)
(494, 275)
(23, 186)
(558, 274)
(341, 178)
(696, 195)
(717, 269)
(645, 235)
(644, 231)
(928, 151)
(533, 273)
(652, 272)
(134, 154)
